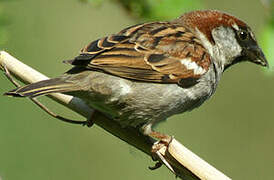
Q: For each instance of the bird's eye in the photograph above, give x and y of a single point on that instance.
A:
(243, 35)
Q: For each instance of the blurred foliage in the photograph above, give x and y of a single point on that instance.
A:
(154, 9)
(267, 36)
(3, 23)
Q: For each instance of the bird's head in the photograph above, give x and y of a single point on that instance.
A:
(228, 39)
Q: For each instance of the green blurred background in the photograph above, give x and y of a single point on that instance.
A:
(233, 131)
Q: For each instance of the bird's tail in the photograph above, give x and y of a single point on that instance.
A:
(43, 87)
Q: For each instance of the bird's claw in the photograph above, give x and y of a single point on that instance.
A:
(157, 148)
(89, 123)
(156, 166)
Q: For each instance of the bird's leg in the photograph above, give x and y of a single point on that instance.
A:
(163, 142)
(163, 138)
(87, 123)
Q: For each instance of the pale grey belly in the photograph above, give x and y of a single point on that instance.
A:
(137, 103)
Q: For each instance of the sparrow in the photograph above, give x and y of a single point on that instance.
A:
(151, 71)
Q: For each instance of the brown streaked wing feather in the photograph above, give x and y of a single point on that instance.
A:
(96, 48)
(145, 75)
(122, 55)
(148, 52)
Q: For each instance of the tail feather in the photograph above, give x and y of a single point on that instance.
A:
(43, 87)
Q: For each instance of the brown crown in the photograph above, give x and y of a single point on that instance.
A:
(207, 20)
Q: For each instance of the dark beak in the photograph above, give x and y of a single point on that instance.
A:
(256, 55)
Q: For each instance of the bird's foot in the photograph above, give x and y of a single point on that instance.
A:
(89, 122)
(158, 150)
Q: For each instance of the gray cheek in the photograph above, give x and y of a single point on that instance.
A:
(226, 43)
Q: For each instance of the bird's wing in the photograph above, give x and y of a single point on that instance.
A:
(160, 52)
